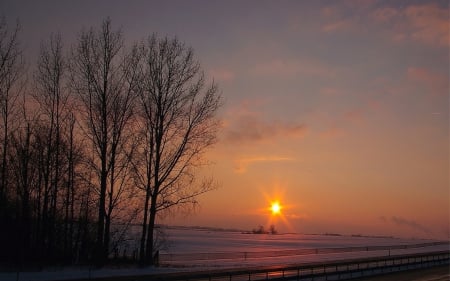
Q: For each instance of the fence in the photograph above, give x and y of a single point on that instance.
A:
(167, 258)
(331, 270)
(340, 270)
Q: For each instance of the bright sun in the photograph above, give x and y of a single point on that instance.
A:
(275, 208)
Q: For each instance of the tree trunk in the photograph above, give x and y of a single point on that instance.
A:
(4, 181)
(99, 252)
(144, 228)
(150, 234)
(107, 238)
(26, 194)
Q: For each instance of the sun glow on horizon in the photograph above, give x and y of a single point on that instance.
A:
(275, 208)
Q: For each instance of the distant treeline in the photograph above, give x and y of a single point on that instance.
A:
(96, 134)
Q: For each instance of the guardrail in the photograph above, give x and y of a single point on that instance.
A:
(338, 270)
(167, 258)
(335, 270)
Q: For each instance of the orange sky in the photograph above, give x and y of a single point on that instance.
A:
(339, 109)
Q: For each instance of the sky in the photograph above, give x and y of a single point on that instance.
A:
(339, 110)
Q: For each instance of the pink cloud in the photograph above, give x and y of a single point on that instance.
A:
(374, 105)
(354, 116)
(337, 25)
(252, 129)
(333, 132)
(245, 125)
(424, 23)
(342, 124)
(337, 17)
(435, 82)
(360, 4)
(384, 15)
(429, 24)
(329, 91)
(223, 75)
(276, 66)
(242, 164)
(292, 68)
(329, 12)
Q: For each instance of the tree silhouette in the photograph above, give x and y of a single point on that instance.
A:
(102, 80)
(101, 121)
(178, 120)
(11, 73)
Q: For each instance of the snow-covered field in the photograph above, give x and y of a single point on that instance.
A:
(195, 242)
(253, 249)
(186, 240)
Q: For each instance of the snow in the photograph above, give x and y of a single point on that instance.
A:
(186, 241)
(194, 242)
(78, 273)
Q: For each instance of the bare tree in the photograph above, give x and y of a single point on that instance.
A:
(11, 72)
(73, 156)
(68, 168)
(54, 108)
(102, 80)
(178, 114)
(22, 160)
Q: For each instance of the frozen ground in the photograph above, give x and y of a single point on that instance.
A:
(191, 242)
(184, 241)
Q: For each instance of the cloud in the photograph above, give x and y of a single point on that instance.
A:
(246, 126)
(435, 82)
(429, 24)
(329, 91)
(252, 129)
(345, 16)
(337, 25)
(223, 75)
(354, 116)
(340, 124)
(425, 23)
(242, 164)
(329, 12)
(289, 68)
(333, 132)
(399, 221)
(297, 216)
(410, 223)
(384, 14)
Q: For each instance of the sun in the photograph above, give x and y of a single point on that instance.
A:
(275, 208)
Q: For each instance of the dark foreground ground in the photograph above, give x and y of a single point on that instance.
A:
(439, 273)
